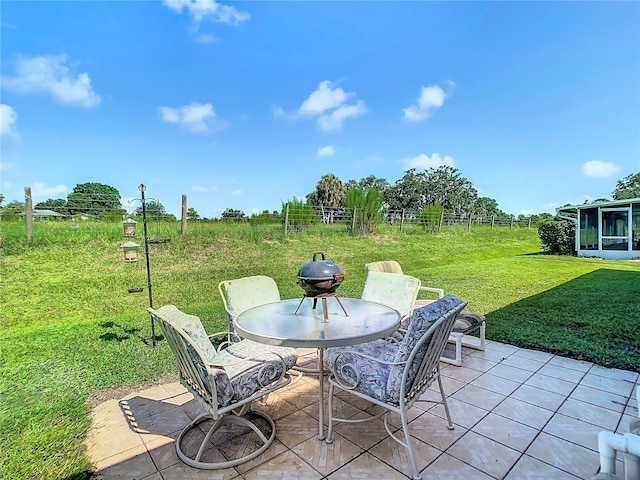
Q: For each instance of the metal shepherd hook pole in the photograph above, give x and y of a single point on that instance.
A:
(142, 188)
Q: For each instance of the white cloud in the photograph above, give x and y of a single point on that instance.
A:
(39, 189)
(195, 117)
(327, 151)
(335, 119)
(8, 117)
(50, 74)
(237, 192)
(425, 162)
(329, 104)
(209, 10)
(430, 97)
(199, 188)
(324, 98)
(597, 168)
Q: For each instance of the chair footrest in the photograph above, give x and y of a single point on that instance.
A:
(467, 322)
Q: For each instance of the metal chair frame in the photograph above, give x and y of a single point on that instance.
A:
(205, 392)
(432, 343)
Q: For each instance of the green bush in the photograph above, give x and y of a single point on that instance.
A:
(363, 210)
(301, 215)
(557, 236)
(430, 218)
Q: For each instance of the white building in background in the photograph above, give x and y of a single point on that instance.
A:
(610, 230)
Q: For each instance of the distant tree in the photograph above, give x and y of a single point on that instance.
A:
(56, 204)
(488, 207)
(264, 218)
(233, 215)
(628, 187)
(368, 182)
(13, 208)
(94, 198)
(446, 186)
(1, 200)
(154, 209)
(329, 194)
(406, 193)
(192, 214)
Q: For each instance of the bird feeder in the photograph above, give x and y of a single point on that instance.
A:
(129, 227)
(130, 251)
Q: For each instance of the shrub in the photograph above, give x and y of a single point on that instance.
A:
(301, 215)
(363, 209)
(557, 236)
(430, 218)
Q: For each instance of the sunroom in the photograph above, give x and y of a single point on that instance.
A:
(610, 230)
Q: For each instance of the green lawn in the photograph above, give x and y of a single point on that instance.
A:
(71, 331)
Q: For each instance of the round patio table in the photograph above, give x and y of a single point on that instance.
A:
(278, 324)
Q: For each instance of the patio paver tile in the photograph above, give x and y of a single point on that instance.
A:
(447, 467)
(602, 417)
(529, 468)
(574, 431)
(568, 457)
(506, 431)
(366, 466)
(485, 454)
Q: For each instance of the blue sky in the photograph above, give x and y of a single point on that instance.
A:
(246, 105)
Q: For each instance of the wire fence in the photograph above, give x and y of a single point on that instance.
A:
(290, 219)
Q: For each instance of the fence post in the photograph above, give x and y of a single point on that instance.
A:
(183, 220)
(493, 217)
(469, 224)
(28, 212)
(286, 217)
(529, 224)
(402, 220)
(511, 225)
(353, 222)
(441, 221)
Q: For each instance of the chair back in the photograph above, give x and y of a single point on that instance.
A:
(388, 266)
(423, 345)
(244, 293)
(391, 289)
(193, 352)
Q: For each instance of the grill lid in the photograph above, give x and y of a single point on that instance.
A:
(319, 270)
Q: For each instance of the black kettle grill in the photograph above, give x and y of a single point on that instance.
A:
(320, 278)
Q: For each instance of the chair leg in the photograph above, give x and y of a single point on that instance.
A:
(450, 425)
(225, 420)
(408, 443)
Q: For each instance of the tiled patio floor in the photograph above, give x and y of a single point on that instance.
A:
(519, 414)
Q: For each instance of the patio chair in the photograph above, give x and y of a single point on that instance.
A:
(395, 291)
(241, 294)
(395, 375)
(225, 382)
(467, 323)
(610, 443)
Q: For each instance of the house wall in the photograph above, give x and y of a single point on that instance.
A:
(594, 250)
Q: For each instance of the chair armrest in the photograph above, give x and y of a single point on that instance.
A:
(438, 291)
(232, 337)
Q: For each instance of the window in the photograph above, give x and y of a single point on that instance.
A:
(615, 229)
(635, 227)
(589, 229)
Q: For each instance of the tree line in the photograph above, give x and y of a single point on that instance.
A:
(443, 189)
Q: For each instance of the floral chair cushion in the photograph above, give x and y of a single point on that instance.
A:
(239, 370)
(376, 368)
(250, 366)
